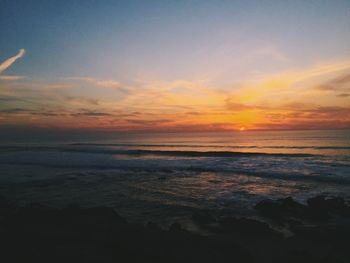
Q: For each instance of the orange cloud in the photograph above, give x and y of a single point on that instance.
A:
(286, 100)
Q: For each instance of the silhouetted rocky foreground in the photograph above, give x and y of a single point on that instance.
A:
(316, 232)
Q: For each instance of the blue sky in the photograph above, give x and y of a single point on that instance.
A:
(219, 44)
(172, 39)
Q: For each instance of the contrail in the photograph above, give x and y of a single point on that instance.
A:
(11, 60)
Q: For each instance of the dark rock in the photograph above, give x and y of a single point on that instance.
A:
(281, 209)
(246, 226)
(6, 207)
(176, 227)
(323, 206)
(38, 234)
(153, 226)
(203, 218)
(319, 208)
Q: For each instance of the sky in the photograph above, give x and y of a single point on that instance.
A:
(174, 65)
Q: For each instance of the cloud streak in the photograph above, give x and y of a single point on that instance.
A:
(10, 77)
(102, 83)
(340, 83)
(7, 63)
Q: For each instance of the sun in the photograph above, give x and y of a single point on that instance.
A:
(242, 129)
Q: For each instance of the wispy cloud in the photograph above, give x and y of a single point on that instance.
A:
(284, 100)
(343, 95)
(7, 63)
(102, 83)
(89, 113)
(10, 77)
(339, 83)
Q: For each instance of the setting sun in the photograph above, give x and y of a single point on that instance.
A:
(174, 131)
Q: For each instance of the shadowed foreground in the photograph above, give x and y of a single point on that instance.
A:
(318, 232)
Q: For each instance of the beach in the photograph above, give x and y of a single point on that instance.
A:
(174, 131)
(316, 232)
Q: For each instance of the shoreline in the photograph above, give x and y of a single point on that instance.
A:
(318, 232)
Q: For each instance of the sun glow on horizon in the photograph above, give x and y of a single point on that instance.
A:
(238, 70)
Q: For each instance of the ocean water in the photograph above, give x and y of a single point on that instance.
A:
(168, 177)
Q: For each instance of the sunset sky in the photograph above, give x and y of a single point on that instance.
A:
(174, 65)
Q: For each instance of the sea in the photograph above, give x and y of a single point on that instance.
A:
(168, 177)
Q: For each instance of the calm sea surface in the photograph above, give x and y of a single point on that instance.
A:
(167, 177)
